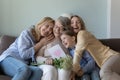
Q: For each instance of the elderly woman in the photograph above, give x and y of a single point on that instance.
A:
(50, 72)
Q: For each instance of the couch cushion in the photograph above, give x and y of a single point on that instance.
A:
(3, 77)
(113, 43)
(5, 42)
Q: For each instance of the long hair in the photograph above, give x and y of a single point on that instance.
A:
(83, 27)
(36, 32)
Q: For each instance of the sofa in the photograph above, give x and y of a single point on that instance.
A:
(6, 40)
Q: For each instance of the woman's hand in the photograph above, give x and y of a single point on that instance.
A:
(77, 70)
(76, 67)
(46, 40)
(43, 41)
(80, 72)
(72, 76)
(49, 61)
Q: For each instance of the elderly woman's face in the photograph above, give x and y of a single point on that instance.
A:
(46, 29)
(57, 28)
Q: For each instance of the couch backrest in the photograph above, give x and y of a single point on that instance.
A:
(5, 42)
(113, 43)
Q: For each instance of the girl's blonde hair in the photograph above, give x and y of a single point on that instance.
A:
(83, 27)
(36, 32)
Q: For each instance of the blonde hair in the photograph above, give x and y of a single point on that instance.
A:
(36, 33)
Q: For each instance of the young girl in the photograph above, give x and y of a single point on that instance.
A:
(87, 63)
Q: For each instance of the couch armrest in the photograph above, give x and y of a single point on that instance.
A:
(5, 42)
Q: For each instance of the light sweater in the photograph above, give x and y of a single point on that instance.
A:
(86, 41)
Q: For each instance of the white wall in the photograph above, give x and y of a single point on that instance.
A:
(16, 15)
(115, 19)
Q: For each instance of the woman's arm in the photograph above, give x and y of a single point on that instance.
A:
(80, 47)
(25, 44)
(41, 58)
(43, 41)
(39, 45)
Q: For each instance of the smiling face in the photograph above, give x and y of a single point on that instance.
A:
(46, 28)
(57, 28)
(75, 23)
(68, 41)
(60, 23)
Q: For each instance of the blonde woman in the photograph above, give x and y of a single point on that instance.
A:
(50, 72)
(14, 60)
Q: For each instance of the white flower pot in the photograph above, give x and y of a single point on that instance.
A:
(63, 74)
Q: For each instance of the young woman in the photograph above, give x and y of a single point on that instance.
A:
(106, 59)
(14, 60)
(78, 24)
(49, 71)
